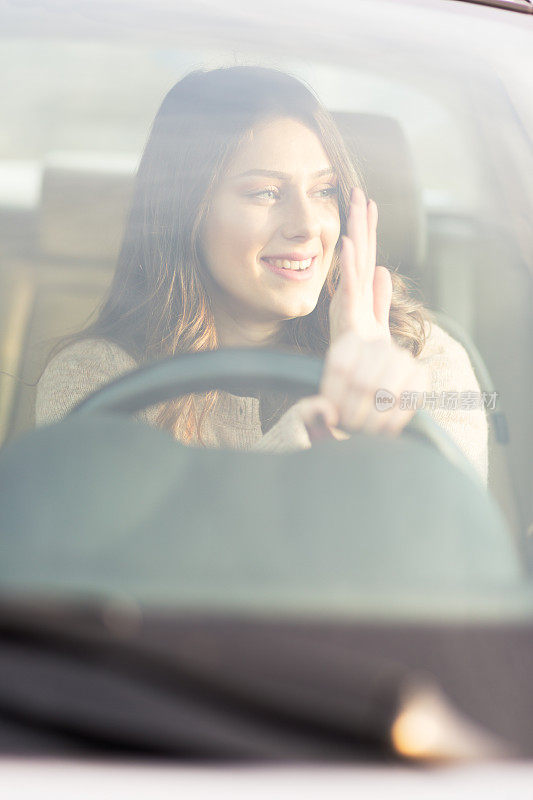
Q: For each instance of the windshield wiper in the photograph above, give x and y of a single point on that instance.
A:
(523, 6)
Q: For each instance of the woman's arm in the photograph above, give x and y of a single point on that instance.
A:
(453, 384)
(76, 372)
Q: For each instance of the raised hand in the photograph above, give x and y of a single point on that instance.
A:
(362, 358)
(362, 301)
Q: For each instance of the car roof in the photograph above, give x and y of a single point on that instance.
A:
(229, 18)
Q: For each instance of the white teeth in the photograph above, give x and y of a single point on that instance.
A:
(284, 263)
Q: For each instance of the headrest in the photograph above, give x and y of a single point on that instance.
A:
(84, 201)
(383, 157)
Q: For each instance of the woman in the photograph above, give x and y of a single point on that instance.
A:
(248, 227)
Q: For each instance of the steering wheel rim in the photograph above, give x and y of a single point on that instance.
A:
(242, 371)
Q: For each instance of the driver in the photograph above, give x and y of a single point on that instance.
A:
(248, 228)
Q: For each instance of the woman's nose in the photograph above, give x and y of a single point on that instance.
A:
(301, 219)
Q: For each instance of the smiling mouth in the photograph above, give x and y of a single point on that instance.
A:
(284, 263)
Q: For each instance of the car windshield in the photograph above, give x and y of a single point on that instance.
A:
(432, 103)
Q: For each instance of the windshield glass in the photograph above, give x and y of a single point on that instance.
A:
(266, 322)
(140, 221)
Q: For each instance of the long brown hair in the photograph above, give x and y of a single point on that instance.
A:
(157, 304)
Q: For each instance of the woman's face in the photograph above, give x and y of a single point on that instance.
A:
(272, 227)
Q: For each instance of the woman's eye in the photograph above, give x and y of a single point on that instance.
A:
(328, 191)
(270, 193)
(273, 193)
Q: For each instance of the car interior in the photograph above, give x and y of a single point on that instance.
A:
(265, 630)
(58, 257)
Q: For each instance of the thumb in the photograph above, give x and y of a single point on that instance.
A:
(319, 415)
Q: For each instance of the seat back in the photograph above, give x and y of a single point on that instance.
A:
(380, 150)
(53, 291)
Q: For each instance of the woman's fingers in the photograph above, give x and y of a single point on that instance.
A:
(362, 229)
(363, 297)
(382, 295)
(395, 378)
(356, 370)
(360, 391)
(348, 276)
(356, 227)
(372, 224)
(350, 374)
(319, 416)
(343, 307)
(338, 369)
(414, 385)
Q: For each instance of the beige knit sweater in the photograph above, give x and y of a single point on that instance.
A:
(84, 366)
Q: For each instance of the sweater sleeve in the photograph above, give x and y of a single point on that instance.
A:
(76, 372)
(451, 381)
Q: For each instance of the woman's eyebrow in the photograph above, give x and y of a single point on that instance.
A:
(282, 175)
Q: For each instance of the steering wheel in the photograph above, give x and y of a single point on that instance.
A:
(241, 371)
